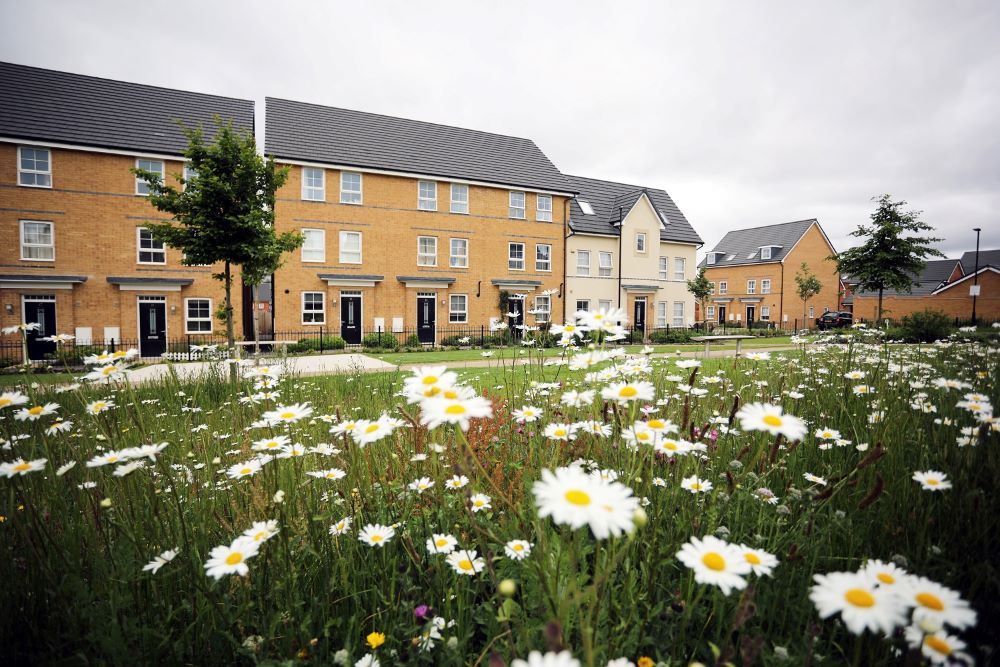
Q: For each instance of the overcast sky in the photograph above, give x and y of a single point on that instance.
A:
(747, 113)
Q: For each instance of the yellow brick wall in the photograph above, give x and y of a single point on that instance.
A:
(390, 223)
(783, 300)
(95, 212)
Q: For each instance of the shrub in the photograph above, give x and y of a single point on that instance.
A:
(671, 336)
(926, 326)
(385, 341)
(460, 341)
(413, 341)
(313, 344)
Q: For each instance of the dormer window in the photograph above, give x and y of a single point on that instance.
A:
(713, 257)
(767, 251)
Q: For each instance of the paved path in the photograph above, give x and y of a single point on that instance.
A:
(329, 364)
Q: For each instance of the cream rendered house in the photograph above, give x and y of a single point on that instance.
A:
(630, 247)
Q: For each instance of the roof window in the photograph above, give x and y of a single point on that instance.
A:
(585, 206)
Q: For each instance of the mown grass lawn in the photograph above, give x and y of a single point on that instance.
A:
(121, 555)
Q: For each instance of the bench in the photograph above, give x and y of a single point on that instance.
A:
(709, 339)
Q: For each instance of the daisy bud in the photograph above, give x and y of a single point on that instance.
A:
(279, 497)
(216, 461)
(106, 503)
(640, 518)
(507, 587)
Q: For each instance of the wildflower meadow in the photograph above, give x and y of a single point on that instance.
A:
(834, 503)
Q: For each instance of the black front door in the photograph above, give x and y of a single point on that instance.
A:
(425, 319)
(350, 319)
(751, 313)
(640, 314)
(43, 313)
(722, 314)
(515, 317)
(152, 328)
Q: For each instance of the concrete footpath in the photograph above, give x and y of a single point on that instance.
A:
(331, 364)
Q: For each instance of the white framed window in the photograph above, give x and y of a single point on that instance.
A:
(765, 312)
(350, 187)
(812, 311)
(664, 268)
(459, 198)
(516, 205)
(427, 251)
(314, 247)
(458, 308)
(723, 287)
(350, 248)
(661, 314)
(515, 256)
(38, 241)
(543, 208)
(710, 312)
(711, 287)
(680, 268)
(765, 286)
(751, 286)
(604, 304)
(583, 304)
(313, 308)
(678, 314)
(605, 264)
(583, 262)
(458, 258)
(189, 174)
(543, 257)
(155, 166)
(149, 250)
(34, 167)
(640, 242)
(197, 316)
(313, 184)
(543, 308)
(765, 252)
(427, 195)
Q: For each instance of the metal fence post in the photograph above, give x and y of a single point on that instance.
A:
(112, 345)
(321, 339)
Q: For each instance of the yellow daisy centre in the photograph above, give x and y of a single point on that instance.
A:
(938, 644)
(456, 409)
(451, 393)
(933, 482)
(245, 471)
(752, 558)
(643, 436)
(478, 503)
(109, 370)
(559, 432)
(859, 598)
(259, 535)
(930, 601)
(886, 578)
(465, 564)
(441, 542)
(772, 420)
(670, 444)
(376, 538)
(578, 497)
(234, 558)
(21, 467)
(518, 547)
(656, 423)
(37, 410)
(371, 428)
(696, 486)
(4, 402)
(112, 459)
(627, 392)
(714, 561)
(430, 379)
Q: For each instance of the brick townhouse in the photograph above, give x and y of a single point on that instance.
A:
(630, 247)
(75, 256)
(412, 227)
(753, 273)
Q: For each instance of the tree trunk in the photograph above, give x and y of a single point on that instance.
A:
(879, 318)
(230, 336)
(805, 323)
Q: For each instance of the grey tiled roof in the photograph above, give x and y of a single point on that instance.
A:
(46, 105)
(934, 275)
(314, 133)
(606, 197)
(740, 244)
(986, 257)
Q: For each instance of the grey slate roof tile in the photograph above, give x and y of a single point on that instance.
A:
(742, 243)
(330, 135)
(47, 105)
(934, 275)
(986, 257)
(606, 197)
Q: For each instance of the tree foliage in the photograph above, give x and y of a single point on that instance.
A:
(894, 251)
(807, 285)
(701, 288)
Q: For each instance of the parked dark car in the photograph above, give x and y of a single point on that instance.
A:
(834, 319)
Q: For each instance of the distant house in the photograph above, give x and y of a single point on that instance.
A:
(629, 247)
(753, 275)
(943, 285)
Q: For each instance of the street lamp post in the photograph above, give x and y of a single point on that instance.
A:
(975, 277)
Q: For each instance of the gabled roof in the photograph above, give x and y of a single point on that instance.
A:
(986, 257)
(59, 107)
(982, 269)
(606, 197)
(742, 246)
(329, 135)
(934, 275)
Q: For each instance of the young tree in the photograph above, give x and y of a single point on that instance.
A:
(892, 255)
(701, 288)
(225, 212)
(807, 286)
